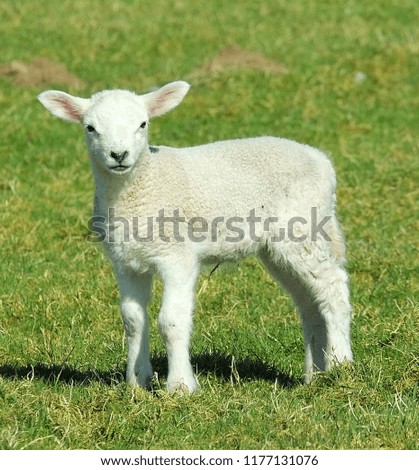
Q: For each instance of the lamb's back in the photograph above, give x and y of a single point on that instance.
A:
(237, 175)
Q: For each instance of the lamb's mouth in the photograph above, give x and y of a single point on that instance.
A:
(119, 168)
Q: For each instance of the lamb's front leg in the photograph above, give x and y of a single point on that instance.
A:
(135, 293)
(175, 323)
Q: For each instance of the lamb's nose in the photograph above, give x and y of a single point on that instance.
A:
(119, 157)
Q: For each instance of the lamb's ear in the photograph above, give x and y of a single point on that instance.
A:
(166, 98)
(67, 107)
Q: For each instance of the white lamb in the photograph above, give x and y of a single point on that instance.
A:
(169, 210)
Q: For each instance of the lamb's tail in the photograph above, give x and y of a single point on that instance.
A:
(337, 241)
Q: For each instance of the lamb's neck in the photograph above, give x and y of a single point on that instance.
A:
(109, 187)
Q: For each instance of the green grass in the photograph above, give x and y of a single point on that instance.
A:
(62, 353)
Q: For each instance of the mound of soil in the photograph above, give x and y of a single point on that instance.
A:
(234, 56)
(40, 72)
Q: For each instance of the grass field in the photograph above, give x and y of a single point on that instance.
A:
(351, 89)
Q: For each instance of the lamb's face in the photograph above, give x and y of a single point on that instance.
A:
(115, 121)
(116, 127)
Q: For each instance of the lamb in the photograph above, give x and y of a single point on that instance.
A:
(168, 211)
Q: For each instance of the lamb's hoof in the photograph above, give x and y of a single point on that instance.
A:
(143, 380)
(182, 386)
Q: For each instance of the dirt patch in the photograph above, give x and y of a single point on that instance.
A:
(235, 57)
(40, 72)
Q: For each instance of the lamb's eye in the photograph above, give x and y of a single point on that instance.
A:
(143, 124)
(90, 129)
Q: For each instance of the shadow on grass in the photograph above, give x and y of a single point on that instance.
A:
(232, 369)
(65, 374)
(222, 366)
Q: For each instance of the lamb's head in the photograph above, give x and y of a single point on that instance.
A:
(115, 121)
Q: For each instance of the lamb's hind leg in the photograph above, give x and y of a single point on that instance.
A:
(135, 293)
(320, 290)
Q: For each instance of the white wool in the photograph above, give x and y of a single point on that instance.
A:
(210, 194)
